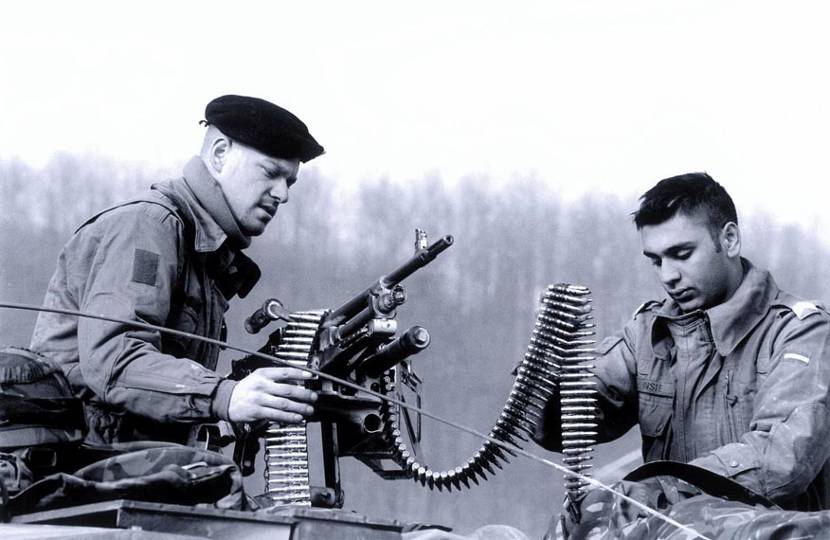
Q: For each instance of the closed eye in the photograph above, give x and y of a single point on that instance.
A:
(682, 254)
(274, 174)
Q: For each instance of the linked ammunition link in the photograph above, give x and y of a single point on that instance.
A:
(577, 388)
(286, 445)
(558, 354)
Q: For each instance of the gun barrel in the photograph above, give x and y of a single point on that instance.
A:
(413, 341)
(421, 258)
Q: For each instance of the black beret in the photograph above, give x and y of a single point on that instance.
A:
(262, 125)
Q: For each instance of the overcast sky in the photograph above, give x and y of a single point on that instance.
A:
(588, 95)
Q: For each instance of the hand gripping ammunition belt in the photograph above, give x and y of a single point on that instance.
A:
(559, 354)
(286, 446)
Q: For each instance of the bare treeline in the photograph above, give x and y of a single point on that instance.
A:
(477, 299)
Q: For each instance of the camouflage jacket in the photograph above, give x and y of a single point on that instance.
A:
(756, 411)
(170, 258)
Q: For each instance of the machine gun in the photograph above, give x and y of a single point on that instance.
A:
(359, 342)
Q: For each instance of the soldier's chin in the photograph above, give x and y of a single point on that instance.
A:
(691, 304)
(254, 228)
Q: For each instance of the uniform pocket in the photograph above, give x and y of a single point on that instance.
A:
(655, 416)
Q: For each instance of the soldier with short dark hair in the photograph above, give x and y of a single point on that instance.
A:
(173, 257)
(728, 372)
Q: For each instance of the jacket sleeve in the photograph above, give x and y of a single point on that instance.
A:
(789, 437)
(132, 263)
(615, 371)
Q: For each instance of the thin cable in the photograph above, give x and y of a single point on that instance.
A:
(356, 387)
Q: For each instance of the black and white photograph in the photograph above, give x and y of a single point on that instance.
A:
(414, 271)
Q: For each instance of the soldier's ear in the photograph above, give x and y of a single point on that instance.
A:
(218, 154)
(730, 240)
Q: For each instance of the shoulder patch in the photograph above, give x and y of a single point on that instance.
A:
(645, 306)
(145, 267)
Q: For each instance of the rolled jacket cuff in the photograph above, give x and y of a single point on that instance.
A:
(222, 399)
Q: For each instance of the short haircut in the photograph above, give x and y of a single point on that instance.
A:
(688, 194)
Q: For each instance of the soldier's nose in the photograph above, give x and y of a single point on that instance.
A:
(279, 191)
(669, 274)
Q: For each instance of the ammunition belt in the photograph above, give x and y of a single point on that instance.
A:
(286, 445)
(558, 355)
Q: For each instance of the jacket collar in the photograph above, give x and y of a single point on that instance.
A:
(731, 321)
(206, 208)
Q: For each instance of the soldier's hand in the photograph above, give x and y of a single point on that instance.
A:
(270, 394)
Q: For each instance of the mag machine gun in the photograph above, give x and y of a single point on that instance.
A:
(359, 342)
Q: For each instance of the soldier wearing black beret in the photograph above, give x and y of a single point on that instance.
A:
(173, 257)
